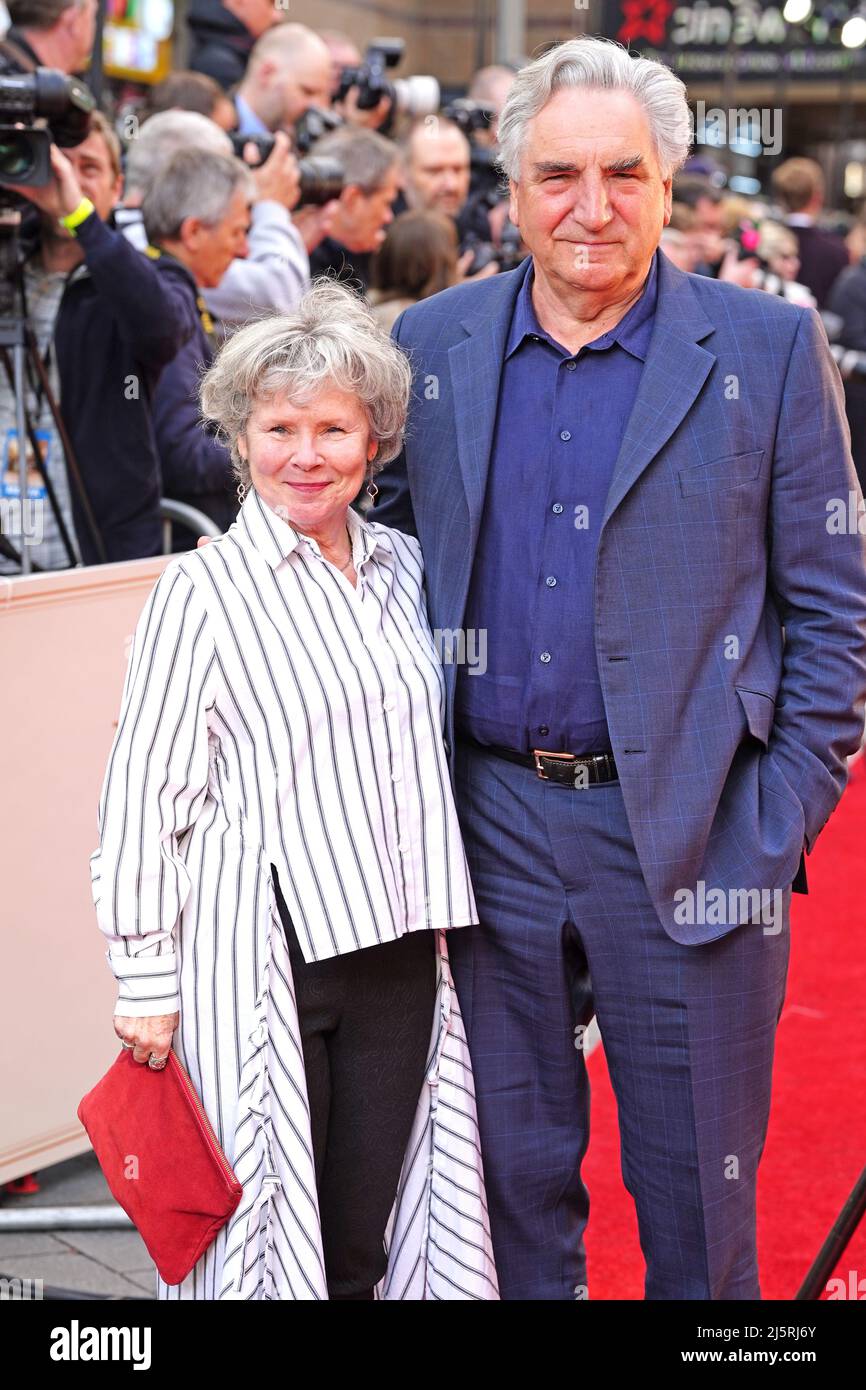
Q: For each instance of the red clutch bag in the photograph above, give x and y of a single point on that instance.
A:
(161, 1159)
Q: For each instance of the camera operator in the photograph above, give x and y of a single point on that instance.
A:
(196, 214)
(288, 72)
(372, 176)
(105, 324)
(277, 271)
(50, 34)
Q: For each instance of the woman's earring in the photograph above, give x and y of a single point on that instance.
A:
(242, 492)
(372, 490)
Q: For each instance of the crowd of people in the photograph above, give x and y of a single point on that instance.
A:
(244, 178)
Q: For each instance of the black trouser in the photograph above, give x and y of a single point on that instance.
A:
(366, 1019)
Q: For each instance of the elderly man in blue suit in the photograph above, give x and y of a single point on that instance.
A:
(622, 478)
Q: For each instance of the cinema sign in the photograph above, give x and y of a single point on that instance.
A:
(750, 39)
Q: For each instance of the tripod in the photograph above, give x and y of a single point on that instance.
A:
(17, 337)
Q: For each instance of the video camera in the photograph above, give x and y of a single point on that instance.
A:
(64, 105)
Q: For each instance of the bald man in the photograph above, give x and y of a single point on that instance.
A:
(289, 71)
(437, 156)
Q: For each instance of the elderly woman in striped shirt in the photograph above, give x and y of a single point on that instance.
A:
(279, 856)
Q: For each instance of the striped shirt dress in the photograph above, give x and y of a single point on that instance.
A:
(272, 714)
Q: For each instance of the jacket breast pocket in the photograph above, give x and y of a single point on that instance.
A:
(719, 474)
(760, 711)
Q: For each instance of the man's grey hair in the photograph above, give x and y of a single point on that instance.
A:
(192, 183)
(598, 65)
(365, 156)
(331, 340)
(162, 136)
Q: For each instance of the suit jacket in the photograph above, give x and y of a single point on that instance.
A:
(730, 617)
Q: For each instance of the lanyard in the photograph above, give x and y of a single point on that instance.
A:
(158, 253)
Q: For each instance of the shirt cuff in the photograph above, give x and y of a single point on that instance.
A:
(146, 985)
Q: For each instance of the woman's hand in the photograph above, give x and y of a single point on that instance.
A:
(150, 1035)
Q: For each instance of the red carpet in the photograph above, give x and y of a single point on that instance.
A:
(816, 1145)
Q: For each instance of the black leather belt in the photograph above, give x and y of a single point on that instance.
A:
(565, 769)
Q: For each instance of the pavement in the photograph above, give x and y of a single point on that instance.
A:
(112, 1263)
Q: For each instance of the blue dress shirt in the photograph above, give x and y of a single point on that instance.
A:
(248, 122)
(560, 421)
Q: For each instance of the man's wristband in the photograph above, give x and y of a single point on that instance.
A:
(72, 219)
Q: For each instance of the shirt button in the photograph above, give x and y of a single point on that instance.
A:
(570, 366)
(556, 508)
(403, 846)
(550, 581)
(396, 775)
(545, 657)
(543, 729)
(565, 434)
(388, 705)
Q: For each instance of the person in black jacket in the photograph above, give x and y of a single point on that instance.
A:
(196, 215)
(847, 299)
(106, 324)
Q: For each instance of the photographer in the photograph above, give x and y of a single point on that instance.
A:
(277, 271)
(288, 72)
(106, 324)
(372, 175)
(196, 214)
(49, 33)
(437, 163)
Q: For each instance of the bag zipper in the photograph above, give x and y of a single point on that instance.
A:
(186, 1081)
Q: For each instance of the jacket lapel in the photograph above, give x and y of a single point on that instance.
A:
(476, 367)
(673, 374)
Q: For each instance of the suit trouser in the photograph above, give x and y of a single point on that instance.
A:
(366, 1019)
(567, 929)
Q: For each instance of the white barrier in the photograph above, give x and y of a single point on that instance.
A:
(64, 639)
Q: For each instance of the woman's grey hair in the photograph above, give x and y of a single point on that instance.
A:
(599, 65)
(192, 183)
(331, 340)
(162, 136)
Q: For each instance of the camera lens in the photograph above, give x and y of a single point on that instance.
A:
(16, 156)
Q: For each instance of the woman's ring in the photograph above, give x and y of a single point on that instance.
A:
(126, 1044)
(155, 1063)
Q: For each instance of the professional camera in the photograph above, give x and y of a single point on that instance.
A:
(321, 177)
(64, 105)
(412, 96)
(315, 122)
(473, 116)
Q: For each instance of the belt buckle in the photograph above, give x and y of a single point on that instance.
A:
(539, 753)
